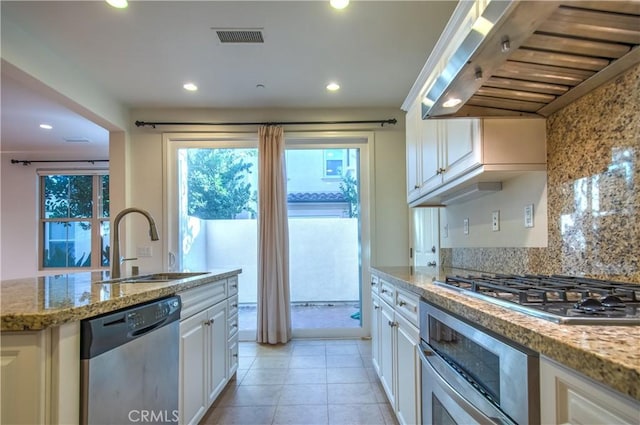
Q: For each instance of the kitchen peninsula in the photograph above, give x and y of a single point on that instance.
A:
(40, 324)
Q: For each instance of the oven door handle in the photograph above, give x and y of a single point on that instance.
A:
(468, 408)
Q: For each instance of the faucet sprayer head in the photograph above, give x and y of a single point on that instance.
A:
(153, 232)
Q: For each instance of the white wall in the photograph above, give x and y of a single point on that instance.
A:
(530, 188)
(137, 169)
(389, 221)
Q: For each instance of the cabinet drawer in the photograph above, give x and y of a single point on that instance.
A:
(375, 283)
(407, 305)
(387, 292)
(232, 324)
(197, 299)
(233, 356)
(233, 305)
(232, 284)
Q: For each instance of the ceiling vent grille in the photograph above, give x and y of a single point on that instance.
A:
(246, 35)
(76, 140)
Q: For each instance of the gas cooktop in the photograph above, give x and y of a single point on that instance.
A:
(560, 299)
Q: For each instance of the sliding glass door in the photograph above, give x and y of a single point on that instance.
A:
(324, 192)
(212, 204)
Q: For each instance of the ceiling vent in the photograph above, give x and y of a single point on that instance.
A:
(77, 140)
(239, 35)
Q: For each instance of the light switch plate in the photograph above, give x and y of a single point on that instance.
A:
(495, 221)
(465, 225)
(143, 251)
(528, 215)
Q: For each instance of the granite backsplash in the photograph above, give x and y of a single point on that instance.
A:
(593, 190)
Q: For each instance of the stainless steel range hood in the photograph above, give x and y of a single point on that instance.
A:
(525, 58)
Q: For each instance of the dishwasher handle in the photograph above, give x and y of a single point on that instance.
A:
(108, 331)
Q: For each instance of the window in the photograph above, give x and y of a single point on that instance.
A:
(74, 220)
(334, 162)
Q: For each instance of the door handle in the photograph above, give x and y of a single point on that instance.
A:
(432, 264)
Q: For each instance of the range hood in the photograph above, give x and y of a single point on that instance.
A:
(526, 58)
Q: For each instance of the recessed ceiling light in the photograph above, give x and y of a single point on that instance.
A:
(190, 87)
(339, 4)
(452, 102)
(46, 126)
(333, 87)
(118, 4)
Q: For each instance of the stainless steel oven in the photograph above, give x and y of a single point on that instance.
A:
(470, 376)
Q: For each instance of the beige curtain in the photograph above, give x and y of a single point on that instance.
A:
(274, 313)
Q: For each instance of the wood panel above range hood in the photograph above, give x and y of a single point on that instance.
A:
(530, 57)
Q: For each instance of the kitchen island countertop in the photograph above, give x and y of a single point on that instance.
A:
(36, 303)
(607, 354)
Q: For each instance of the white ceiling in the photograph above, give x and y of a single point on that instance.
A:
(142, 55)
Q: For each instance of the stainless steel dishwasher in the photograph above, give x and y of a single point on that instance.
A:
(129, 365)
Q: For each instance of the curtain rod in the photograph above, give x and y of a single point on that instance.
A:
(28, 162)
(381, 122)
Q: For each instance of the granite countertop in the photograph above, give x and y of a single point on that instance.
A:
(37, 303)
(607, 354)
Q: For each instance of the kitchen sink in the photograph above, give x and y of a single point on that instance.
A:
(154, 278)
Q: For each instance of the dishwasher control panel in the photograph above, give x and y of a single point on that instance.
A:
(105, 332)
(152, 314)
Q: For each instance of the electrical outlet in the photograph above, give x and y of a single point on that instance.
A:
(528, 215)
(143, 251)
(495, 221)
(445, 231)
(465, 225)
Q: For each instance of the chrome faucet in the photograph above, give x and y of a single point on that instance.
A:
(116, 260)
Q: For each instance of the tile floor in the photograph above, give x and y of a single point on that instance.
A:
(304, 382)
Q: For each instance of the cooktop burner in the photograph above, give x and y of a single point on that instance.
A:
(561, 299)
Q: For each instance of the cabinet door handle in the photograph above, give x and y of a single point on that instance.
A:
(401, 303)
(433, 249)
(375, 307)
(234, 305)
(383, 291)
(431, 264)
(416, 187)
(207, 323)
(393, 324)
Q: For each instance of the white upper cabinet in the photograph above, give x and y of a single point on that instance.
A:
(413, 151)
(447, 157)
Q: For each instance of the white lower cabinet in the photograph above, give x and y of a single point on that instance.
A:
(570, 398)
(217, 345)
(408, 372)
(208, 346)
(395, 342)
(193, 363)
(40, 374)
(376, 318)
(387, 352)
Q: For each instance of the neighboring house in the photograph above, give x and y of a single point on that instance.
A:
(317, 204)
